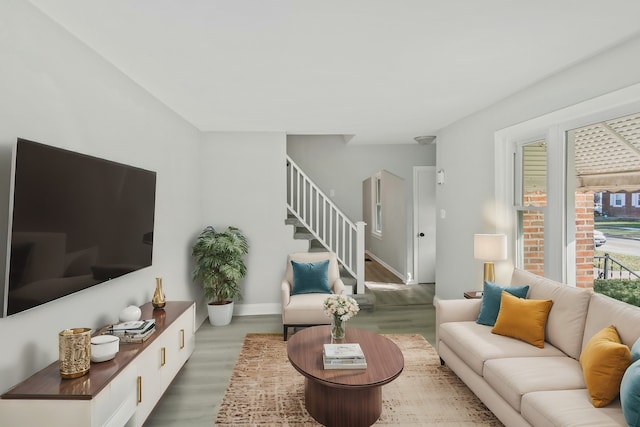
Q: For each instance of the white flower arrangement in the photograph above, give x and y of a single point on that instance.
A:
(341, 306)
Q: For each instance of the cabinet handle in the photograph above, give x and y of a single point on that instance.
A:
(181, 339)
(163, 353)
(139, 389)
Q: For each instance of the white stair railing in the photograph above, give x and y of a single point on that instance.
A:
(326, 222)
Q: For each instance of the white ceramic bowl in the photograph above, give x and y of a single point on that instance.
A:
(104, 347)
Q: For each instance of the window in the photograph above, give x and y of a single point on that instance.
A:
(377, 205)
(530, 203)
(617, 200)
(635, 200)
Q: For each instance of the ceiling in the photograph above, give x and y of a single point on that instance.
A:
(376, 71)
(607, 155)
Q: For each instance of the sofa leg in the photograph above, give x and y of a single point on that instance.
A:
(441, 362)
(285, 331)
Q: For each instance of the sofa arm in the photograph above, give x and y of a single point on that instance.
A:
(456, 310)
(338, 287)
(285, 293)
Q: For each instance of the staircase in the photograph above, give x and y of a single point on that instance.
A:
(317, 219)
(302, 233)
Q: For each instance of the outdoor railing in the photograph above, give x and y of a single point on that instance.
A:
(609, 268)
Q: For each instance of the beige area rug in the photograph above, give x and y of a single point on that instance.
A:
(266, 390)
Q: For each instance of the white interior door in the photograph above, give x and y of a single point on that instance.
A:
(425, 223)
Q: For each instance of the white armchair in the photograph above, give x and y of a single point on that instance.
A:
(307, 309)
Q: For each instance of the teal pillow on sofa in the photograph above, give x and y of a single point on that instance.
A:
(630, 394)
(310, 277)
(490, 305)
(635, 351)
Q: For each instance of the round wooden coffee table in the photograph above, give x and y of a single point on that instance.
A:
(344, 397)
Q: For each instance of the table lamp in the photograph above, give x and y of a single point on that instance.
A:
(490, 248)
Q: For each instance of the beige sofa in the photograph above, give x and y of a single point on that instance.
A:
(524, 385)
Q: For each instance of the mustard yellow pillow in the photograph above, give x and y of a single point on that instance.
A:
(523, 319)
(604, 360)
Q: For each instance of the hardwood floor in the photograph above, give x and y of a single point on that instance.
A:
(375, 272)
(195, 395)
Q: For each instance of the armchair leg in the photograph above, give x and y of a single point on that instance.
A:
(285, 331)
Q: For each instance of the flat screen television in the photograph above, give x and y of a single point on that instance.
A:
(75, 221)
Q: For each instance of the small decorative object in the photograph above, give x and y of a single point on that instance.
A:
(158, 300)
(104, 347)
(340, 308)
(130, 314)
(75, 352)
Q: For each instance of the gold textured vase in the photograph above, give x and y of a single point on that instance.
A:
(75, 352)
(158, 300)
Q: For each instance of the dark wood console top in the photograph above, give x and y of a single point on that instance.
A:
(47, 384)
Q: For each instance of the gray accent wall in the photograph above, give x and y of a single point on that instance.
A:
(57, 91)
(335, 165)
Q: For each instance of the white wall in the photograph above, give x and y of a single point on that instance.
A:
(466, 153)
(334, 165)
(244, 185)
(57, 91)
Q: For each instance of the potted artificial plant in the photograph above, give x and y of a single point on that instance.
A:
(219, 266)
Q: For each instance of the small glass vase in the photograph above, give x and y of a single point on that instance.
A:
(338, 327)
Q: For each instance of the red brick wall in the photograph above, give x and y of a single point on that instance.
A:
(533, 237)
(533, 234)
(584, 239)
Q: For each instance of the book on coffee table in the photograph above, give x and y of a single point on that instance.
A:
(356, 363)
(343, 356)
(343, 351)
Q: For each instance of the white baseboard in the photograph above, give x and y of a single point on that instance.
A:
(257, 309)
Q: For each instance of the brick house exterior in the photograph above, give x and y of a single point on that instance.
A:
(623, 204)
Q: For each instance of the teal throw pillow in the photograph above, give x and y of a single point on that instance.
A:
(310, 277)
(490, 305)
(630, 394)
(635, 351)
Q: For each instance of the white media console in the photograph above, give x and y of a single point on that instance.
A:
(119, 392)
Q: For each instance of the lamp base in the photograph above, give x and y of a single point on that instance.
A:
(489, 272)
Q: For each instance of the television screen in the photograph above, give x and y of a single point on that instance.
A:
(76, 221)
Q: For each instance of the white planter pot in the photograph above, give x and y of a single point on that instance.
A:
(220, 315)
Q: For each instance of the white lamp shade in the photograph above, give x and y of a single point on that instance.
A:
(490, 247)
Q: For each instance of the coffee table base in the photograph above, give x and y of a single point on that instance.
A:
(332, 406)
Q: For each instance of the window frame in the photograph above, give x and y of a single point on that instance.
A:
(614, 198)
(376, 208)
(559, 245)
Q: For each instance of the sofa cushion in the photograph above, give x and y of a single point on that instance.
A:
(604, 361)
(565, 324)
(514, 377)
(305, 309)
(491, 298)
(310, 277)
(522, 319)
(475, 344)
(571, 408)
(605, 311)
(630, 394)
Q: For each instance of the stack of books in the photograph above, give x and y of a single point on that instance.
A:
(343, 356)
(133, 332)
